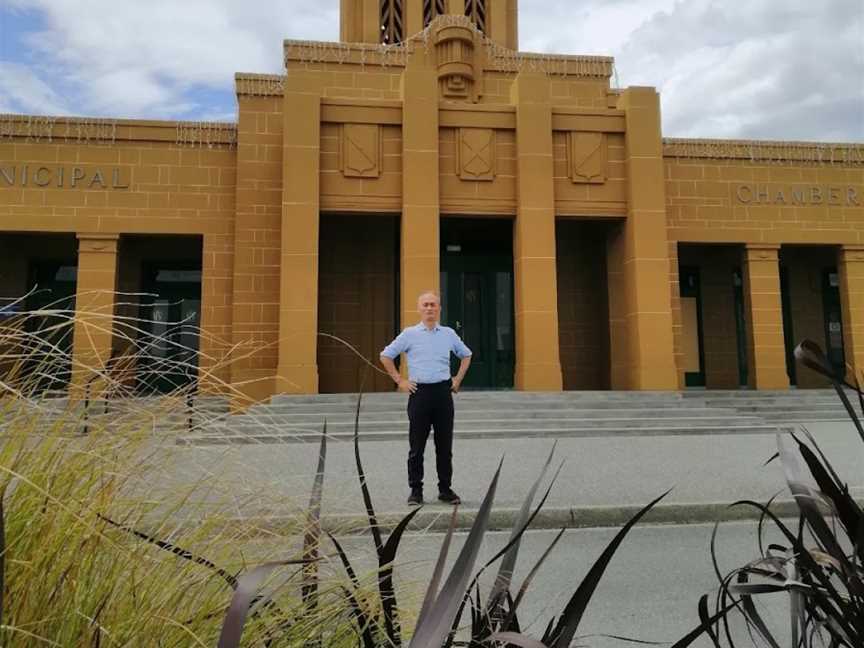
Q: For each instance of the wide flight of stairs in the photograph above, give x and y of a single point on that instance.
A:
(508, 414)
(206, 420)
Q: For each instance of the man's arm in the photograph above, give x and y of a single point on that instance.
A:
(404, 384)
(460, 375)
(464, 354)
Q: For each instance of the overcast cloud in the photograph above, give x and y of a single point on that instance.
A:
(766, 69)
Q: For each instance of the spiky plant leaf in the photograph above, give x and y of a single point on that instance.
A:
(432, 589)
(247, 587)
(360, 618)
(385, 578)
(575, 609)
(367, 497)
(312, 536)
(508, 563)
(435, 628)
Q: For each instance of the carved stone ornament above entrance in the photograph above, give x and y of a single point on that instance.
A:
(587, 157)
(476, 154)
(360, 150)
(458, 52)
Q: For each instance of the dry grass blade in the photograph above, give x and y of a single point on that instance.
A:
(517, 639)
(2, 554)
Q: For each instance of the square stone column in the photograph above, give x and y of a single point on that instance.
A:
(850, 264)
(763, 307)
(420, 253)
(94, 307)
(538, 364)
(298, 289)
(641, 339)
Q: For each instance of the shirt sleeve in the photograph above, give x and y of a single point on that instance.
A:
(459, 347)
(397, 346)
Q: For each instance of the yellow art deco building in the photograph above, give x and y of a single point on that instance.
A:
(574, 247)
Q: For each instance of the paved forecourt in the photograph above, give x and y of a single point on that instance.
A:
(619, 451)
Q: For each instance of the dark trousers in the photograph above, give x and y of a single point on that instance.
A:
(431, 406)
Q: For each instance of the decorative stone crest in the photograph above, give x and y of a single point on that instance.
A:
(476, 154)
(458, 51)
(587, 157)
(360, 150)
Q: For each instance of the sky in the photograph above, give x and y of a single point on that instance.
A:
(748, 69)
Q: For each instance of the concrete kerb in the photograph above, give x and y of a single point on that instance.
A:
(436, 517)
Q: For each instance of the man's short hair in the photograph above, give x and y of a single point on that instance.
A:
(429, 292)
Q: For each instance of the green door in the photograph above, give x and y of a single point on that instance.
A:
(170, 310)
(477, 298)
(833, 320)
(54, 296)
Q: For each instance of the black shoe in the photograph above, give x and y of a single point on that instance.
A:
(416, 497)
(449, 497)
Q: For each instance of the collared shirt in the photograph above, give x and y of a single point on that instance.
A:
(428, 351)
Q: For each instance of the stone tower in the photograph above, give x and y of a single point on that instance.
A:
(393, 21)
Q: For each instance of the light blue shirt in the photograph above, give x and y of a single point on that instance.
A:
(428, 351)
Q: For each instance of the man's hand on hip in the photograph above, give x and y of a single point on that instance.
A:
(407, 386)
(456, 384)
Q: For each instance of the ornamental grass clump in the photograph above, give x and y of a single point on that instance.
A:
(105, 540)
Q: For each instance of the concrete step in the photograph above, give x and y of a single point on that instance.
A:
(503, 424)
(233, 436)
(496, 396)
(470, 415)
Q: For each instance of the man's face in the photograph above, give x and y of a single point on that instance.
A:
(429, 307)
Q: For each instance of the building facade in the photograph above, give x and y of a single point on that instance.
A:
(573, 246)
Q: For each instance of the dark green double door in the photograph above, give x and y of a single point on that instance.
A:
(170, 311)
(477, 301)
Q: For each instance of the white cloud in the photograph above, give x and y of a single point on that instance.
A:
(791, 69)
(761, 69)
(22, 91)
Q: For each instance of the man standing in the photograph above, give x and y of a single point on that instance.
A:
(427, 346)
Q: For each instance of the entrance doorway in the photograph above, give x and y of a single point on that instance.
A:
(44, 268)
(713, 337)
(811, 308)
(159, 310)
(477, 296)
(171, 314)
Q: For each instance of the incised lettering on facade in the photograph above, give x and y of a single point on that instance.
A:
(797, 195)
(61, 177)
